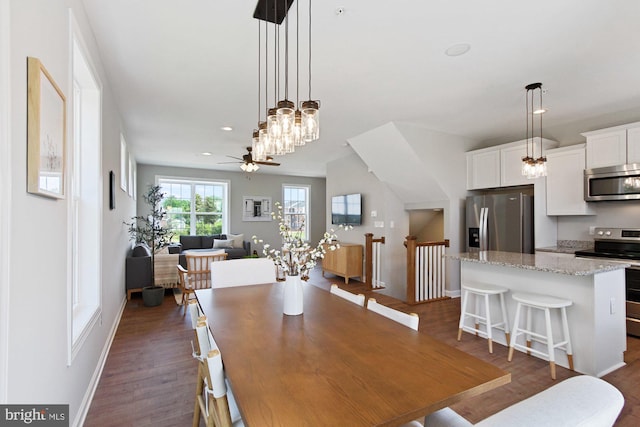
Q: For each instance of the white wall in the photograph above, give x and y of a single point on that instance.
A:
(5, 194)
(608, 214)
(241, 184)
(40, 244)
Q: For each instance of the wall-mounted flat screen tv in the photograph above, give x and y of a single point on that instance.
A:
(346, 209)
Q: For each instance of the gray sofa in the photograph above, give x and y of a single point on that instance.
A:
(207, 243)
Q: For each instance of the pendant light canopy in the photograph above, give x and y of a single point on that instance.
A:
(532, 166)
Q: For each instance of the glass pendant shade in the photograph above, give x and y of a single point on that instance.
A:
(286, 116)
(297, 129)
(263, 137)
(310, 121)
(273, 126)
(257, 146)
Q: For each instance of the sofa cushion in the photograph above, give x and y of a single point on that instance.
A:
(191, 242)
(222, 244)
(140, 250)
(238, 240)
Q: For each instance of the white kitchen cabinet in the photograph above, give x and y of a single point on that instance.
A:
(501, 166)
(633, 145)
(565, 181)
(511, 165)
(483, 169)
(613, 146)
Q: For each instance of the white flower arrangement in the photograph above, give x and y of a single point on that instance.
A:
(297, 257)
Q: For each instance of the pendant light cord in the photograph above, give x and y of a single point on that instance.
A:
(541, 156)
(526, 105)
(309, 49)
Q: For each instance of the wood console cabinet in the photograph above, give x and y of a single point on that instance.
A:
(345, 261)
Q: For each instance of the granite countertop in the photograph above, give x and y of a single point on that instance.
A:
(568, 246)
(542, 261)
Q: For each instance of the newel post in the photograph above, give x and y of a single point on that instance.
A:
(411, 243)
(368, 259)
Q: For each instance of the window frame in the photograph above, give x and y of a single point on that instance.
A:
(226, 184)
(307, 220)
(84, 202)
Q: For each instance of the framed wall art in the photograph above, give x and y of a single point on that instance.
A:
(46, 132)
(256, 208)
(112, 191)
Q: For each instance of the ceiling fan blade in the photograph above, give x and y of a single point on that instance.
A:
(237, 158)
(267, 163)
(226, 163)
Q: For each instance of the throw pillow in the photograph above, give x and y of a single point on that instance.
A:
(238, 240)
(222, 244)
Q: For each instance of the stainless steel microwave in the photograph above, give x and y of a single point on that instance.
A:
(612, 183)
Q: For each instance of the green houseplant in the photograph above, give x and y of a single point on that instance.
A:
(152, 231)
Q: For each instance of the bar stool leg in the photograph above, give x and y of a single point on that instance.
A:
(565, 331)
(550, 347)
(463, 313)
(477, 299)
(488, 319)
(514, 334)
(505, 318)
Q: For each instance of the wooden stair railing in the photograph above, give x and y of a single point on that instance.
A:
(372, 261)
(425, 270)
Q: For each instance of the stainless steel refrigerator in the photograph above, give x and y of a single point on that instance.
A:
(500, 222)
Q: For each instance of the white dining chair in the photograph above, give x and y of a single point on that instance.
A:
(196, 275)
(215, 401)
(242, 272)
(356, 299)
(411, 320)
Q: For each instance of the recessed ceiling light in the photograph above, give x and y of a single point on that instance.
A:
(226, 128)
(206, 153)
(457, 49)
(540, 111)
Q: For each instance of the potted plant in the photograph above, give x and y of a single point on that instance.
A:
(151, 230)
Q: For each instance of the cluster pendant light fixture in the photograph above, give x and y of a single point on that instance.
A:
(285, 126)
(534, 167)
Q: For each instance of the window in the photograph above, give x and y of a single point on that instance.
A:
(124, 163)
(85, 202)
(196, 207)
(296, 208)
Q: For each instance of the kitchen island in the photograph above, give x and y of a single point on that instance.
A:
(596, 318)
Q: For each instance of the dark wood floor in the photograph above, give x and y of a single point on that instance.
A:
(149, 377)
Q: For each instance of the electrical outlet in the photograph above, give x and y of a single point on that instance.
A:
(378, 224)
(612, 306)
(592, 230)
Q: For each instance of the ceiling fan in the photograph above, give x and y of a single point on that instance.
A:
(250, 165)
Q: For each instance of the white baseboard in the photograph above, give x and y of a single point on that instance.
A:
(95, 379)
(453, 294)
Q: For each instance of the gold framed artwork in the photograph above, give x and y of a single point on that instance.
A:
(46, 132)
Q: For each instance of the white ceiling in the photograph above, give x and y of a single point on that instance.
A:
(182, 70)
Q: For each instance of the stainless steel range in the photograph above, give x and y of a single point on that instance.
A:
(622, 244)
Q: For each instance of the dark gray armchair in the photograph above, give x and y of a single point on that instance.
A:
(138, 269)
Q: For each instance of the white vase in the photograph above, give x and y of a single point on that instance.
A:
(293, 297)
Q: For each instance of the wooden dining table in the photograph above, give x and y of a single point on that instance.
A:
(337, 364)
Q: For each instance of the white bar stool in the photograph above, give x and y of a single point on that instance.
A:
(483, 290)
(543, 303)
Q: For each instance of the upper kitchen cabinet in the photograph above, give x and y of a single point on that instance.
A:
(501, 166)
(565, 179)
(613, 146)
